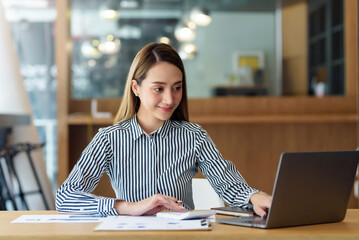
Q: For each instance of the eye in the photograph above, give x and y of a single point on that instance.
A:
(178, 88)
(158, 89)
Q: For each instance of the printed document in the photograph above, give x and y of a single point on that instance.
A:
(112, 223)
(58, 218)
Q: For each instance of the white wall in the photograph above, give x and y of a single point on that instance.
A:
(216, 43)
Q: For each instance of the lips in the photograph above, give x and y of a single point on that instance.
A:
(166, 109)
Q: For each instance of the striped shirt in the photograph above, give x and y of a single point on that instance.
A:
(141, 165)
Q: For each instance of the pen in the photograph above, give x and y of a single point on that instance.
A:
(179, 201)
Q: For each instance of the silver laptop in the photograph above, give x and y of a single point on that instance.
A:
(310, 188)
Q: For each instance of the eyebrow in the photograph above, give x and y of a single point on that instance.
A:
(163, 83)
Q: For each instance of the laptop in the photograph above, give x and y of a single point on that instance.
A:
(310, 188)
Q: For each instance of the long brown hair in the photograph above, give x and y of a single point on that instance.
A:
(144, 60)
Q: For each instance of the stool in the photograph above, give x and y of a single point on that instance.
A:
(9, 174)
(7, 188)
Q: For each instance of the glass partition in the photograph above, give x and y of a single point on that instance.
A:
(238, 51)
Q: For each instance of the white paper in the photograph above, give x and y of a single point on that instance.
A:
(57, 218)
(186, 215)
(112, 223)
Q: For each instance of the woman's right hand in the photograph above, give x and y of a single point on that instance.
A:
(149, 206)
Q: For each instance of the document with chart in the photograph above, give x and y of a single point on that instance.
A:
(58, 218)
(113, 223)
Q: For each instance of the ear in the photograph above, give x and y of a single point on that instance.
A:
(134, 87)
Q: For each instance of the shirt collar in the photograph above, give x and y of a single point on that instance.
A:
(137, 131)
(164, 129)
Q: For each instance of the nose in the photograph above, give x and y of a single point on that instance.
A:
(168, 97)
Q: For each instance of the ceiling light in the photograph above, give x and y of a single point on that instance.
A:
(200, 16)
(185, 31)
(109, 14)
(95, 42)
(188, 51)
(110, 37)
(90, 50)
(91, 63)
(165, 40)
(110, 45)
(109, 11)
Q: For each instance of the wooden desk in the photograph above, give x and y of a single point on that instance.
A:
(348, 229)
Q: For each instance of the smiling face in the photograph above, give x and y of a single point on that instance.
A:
(160, 93)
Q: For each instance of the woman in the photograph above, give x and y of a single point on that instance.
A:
(152, 152)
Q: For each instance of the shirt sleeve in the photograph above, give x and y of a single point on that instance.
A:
(222, 174)
(74, 195)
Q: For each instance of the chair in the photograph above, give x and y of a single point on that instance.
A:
(204, 196)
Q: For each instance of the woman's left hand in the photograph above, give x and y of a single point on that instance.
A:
(261, 203)
(148, 206)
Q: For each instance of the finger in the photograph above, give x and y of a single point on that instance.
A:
(268, 203)
(171, 198)
(169, 203)
(154, 210)
(164, 199)
(265, 204)
(168, 200)
(174, 206)
(260, 212)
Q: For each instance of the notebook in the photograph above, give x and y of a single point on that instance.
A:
(310, 188)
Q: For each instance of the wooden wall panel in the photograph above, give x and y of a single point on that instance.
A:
(63, 53)
(235, 106)
(351, 46)
(255, 148)
(295, 47)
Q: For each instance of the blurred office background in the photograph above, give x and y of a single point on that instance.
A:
(229, 48)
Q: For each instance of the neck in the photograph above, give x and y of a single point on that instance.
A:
(149, 125)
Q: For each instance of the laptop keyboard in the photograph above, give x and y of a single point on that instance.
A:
(253, 219)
